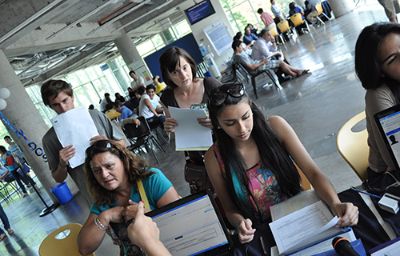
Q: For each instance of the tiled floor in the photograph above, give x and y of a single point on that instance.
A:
(316, 105)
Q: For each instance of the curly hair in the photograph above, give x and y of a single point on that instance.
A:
(134, 167)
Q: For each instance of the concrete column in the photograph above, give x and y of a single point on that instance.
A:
(131, 56)
(25, 124)
(341, 7)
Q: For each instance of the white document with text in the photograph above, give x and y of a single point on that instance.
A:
(75, 127)
(304, 227)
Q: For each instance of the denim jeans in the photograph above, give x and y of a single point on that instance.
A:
(4, 219)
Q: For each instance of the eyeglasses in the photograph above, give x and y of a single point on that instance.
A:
(235, 90)
(97, 147)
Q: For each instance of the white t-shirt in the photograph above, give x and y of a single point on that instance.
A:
(137, 83)
(144, 110)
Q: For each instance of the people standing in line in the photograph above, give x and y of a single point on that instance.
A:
(137, 82)
(184, 90)
(6, 224)
(15, 171)
(377, 65)
(112, 174)
(252, 166)
(391, 8)
(58, 95)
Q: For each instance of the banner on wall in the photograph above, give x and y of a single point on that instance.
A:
(219, 37)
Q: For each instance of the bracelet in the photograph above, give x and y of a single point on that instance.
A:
(100, 225)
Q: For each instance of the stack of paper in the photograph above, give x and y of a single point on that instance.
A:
(303, 228)
(189, 134)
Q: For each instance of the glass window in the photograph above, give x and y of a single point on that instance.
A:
(182, 28)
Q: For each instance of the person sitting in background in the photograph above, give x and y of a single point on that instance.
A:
(119, 97)
(252, 166)
(9, 162)
(249, 37)
(247, 48)
(105, 101)
(143, 232)
(377, 66)
(312, 16)
(124, 111)
(112, 174)
(264, 64)
(265, 47)
(293, 9)
(267, 19)
(150, 108)
(111, 111)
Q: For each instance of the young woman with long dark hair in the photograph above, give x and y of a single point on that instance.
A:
(252, 165)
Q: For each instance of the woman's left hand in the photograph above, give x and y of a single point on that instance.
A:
(205, 121)
(347, 213)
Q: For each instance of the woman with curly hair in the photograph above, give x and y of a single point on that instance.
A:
(112, 174)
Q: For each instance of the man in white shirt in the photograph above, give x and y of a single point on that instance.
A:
(137, 82)
(265, 47)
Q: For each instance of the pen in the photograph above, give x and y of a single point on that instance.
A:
(366, 193)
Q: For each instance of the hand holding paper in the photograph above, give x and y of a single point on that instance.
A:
(74, 128)
(189, 134)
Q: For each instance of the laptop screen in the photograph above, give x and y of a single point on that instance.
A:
(191, 227)
(389, 124)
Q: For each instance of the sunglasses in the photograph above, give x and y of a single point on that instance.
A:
(97, 147)
(234, 90)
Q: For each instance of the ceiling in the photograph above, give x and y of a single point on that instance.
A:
(44, 38)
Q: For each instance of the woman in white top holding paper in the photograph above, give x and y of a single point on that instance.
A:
(252, 166)
(185, 89)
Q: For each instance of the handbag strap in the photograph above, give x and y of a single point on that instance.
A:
(143, 195)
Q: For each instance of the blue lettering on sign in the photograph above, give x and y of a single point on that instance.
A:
(20, 133)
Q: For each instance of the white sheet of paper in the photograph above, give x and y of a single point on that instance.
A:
(189, 134)
(391, 250)
(303, 227)
(75, 127)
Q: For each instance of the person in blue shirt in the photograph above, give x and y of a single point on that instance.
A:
(112, 173)
(249, 37)
(15, 171)
(125, 111)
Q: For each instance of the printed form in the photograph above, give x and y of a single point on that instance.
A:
(189, 134)
(304, 227)
(75, 127)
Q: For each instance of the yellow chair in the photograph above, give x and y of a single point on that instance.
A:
(353, 146)
(320, 11)
(283, 26)
(297, 20)
(62, 241)
(274, 32)
(304, 182)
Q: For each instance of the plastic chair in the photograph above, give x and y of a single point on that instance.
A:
(297, 20)
(320, 11)
(239, 69)
(141, 136)
(353, 146)
(62, 241)
(275, 34)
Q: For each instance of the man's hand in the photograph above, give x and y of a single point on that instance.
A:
(66, 154)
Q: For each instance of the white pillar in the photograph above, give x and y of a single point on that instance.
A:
(131, 56)
(341, 7)
(25, 124)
